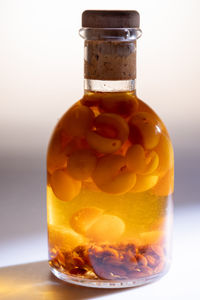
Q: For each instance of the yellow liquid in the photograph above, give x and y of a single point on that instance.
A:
(115, 230)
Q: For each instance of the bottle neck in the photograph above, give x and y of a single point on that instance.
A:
(107, 86)
(109, 65)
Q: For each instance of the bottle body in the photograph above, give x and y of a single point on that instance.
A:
(109, 192)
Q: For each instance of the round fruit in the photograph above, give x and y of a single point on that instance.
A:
(144, 130)
(83, 219)
(141, 163)
(144, 183)
(78, 120)
(111, 175)
(64, 186)
(112, 124)
(106, 228)
(102, 144)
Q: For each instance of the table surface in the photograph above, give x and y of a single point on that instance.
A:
(24, 272)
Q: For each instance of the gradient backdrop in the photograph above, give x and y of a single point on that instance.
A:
(41, 75)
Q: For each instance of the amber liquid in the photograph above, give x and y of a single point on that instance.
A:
(110, 180)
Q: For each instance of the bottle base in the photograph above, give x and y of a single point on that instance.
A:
(107, 284)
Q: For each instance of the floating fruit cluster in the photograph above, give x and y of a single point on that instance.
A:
(114, 141)
(114, 261)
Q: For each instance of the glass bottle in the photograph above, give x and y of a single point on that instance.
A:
(110, 169)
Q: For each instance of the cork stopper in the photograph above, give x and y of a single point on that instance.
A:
(110, 58)
(110, 19)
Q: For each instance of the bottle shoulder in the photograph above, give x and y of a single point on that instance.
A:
(79, 118)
